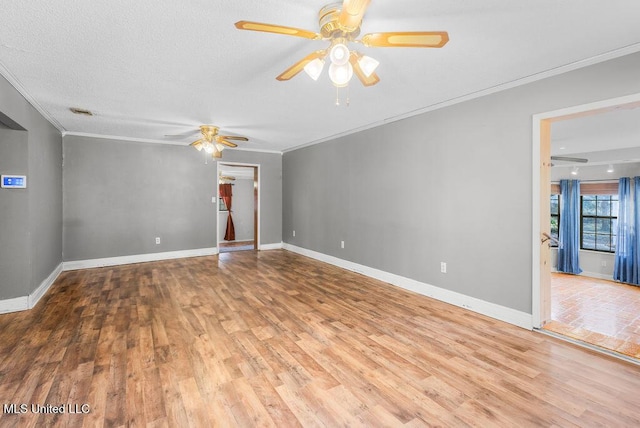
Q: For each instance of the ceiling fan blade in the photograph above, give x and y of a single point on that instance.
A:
(569, 159)
(277, 29)
(233, 137)
(370, 80)
(197, 144)
(352, 14)
(299, 66)
(226, 142)
(406, 39)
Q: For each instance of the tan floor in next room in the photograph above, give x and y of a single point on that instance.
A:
(600, 312)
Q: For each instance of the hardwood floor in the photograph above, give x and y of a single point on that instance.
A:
(596, 311)
(272, 338)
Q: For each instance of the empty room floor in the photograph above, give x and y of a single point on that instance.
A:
(272, 338)
(596, 311)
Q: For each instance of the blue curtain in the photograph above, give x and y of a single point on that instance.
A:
(569, 230)
(627, 259)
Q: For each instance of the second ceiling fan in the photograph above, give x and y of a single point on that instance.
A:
(213, 143)
(340, 25)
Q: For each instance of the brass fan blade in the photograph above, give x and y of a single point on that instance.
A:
(299, 66)
(226, 142)
(408, 39)
(366, 81)
(278, 29)
(197, 144)
(233, 137)
(352, 14)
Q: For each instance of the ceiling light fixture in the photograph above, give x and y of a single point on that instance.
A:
(339, 54)
(212, 143)
(368, 65)
(314, 68)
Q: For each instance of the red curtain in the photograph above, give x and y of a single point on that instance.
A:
(225, 194)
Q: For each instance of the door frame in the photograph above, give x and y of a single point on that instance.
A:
(541, 167)
(256, 200)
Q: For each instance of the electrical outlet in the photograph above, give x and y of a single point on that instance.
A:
(294, 233)
(213, 199)
(443, 267)
(157, 240)
(341, 244)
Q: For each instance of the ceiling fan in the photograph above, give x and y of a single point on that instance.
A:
(213, 143)
(340, 25)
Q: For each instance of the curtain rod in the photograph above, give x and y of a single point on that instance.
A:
(612, 180)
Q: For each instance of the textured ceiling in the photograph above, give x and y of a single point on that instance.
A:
(151, 68)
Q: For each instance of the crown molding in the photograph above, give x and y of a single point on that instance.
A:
(13, 81)
(627, 50)
(152, 141)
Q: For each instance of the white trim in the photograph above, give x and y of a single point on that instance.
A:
(536, 310)
(13, 81)
(627, 50)
(37, 294)
(24, 303)
(138, 258)
(589, 346)
(589, 275)
(151, 140)
(502, 313)
(14, 305)
(276, 246)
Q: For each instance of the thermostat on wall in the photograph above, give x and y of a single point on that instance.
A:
(13, 181)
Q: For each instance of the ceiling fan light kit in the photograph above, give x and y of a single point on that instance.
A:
(212, 143)
(340, 24)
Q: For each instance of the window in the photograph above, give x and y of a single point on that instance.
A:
(598, 222)
(555, 218)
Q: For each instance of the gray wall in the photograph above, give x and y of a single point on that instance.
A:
(119, 196)
(452, 185)
(14, 227)
(40, 224)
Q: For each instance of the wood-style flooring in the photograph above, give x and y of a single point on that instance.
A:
(596, 311)
(272, 338)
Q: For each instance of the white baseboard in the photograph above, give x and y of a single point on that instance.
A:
(276, 246)
(138, 258)
(502, 313)
(591, 275)
(24, 303)
(14, 305)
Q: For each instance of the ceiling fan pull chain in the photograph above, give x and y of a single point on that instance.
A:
(347, 95)
(337, 96)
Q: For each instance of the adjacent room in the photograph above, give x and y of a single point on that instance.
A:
(591, 301)
(286, 213)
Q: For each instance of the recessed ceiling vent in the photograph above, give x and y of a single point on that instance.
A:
(76, 110)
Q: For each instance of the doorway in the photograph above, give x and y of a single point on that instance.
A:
(243, 182)
(543, 279)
